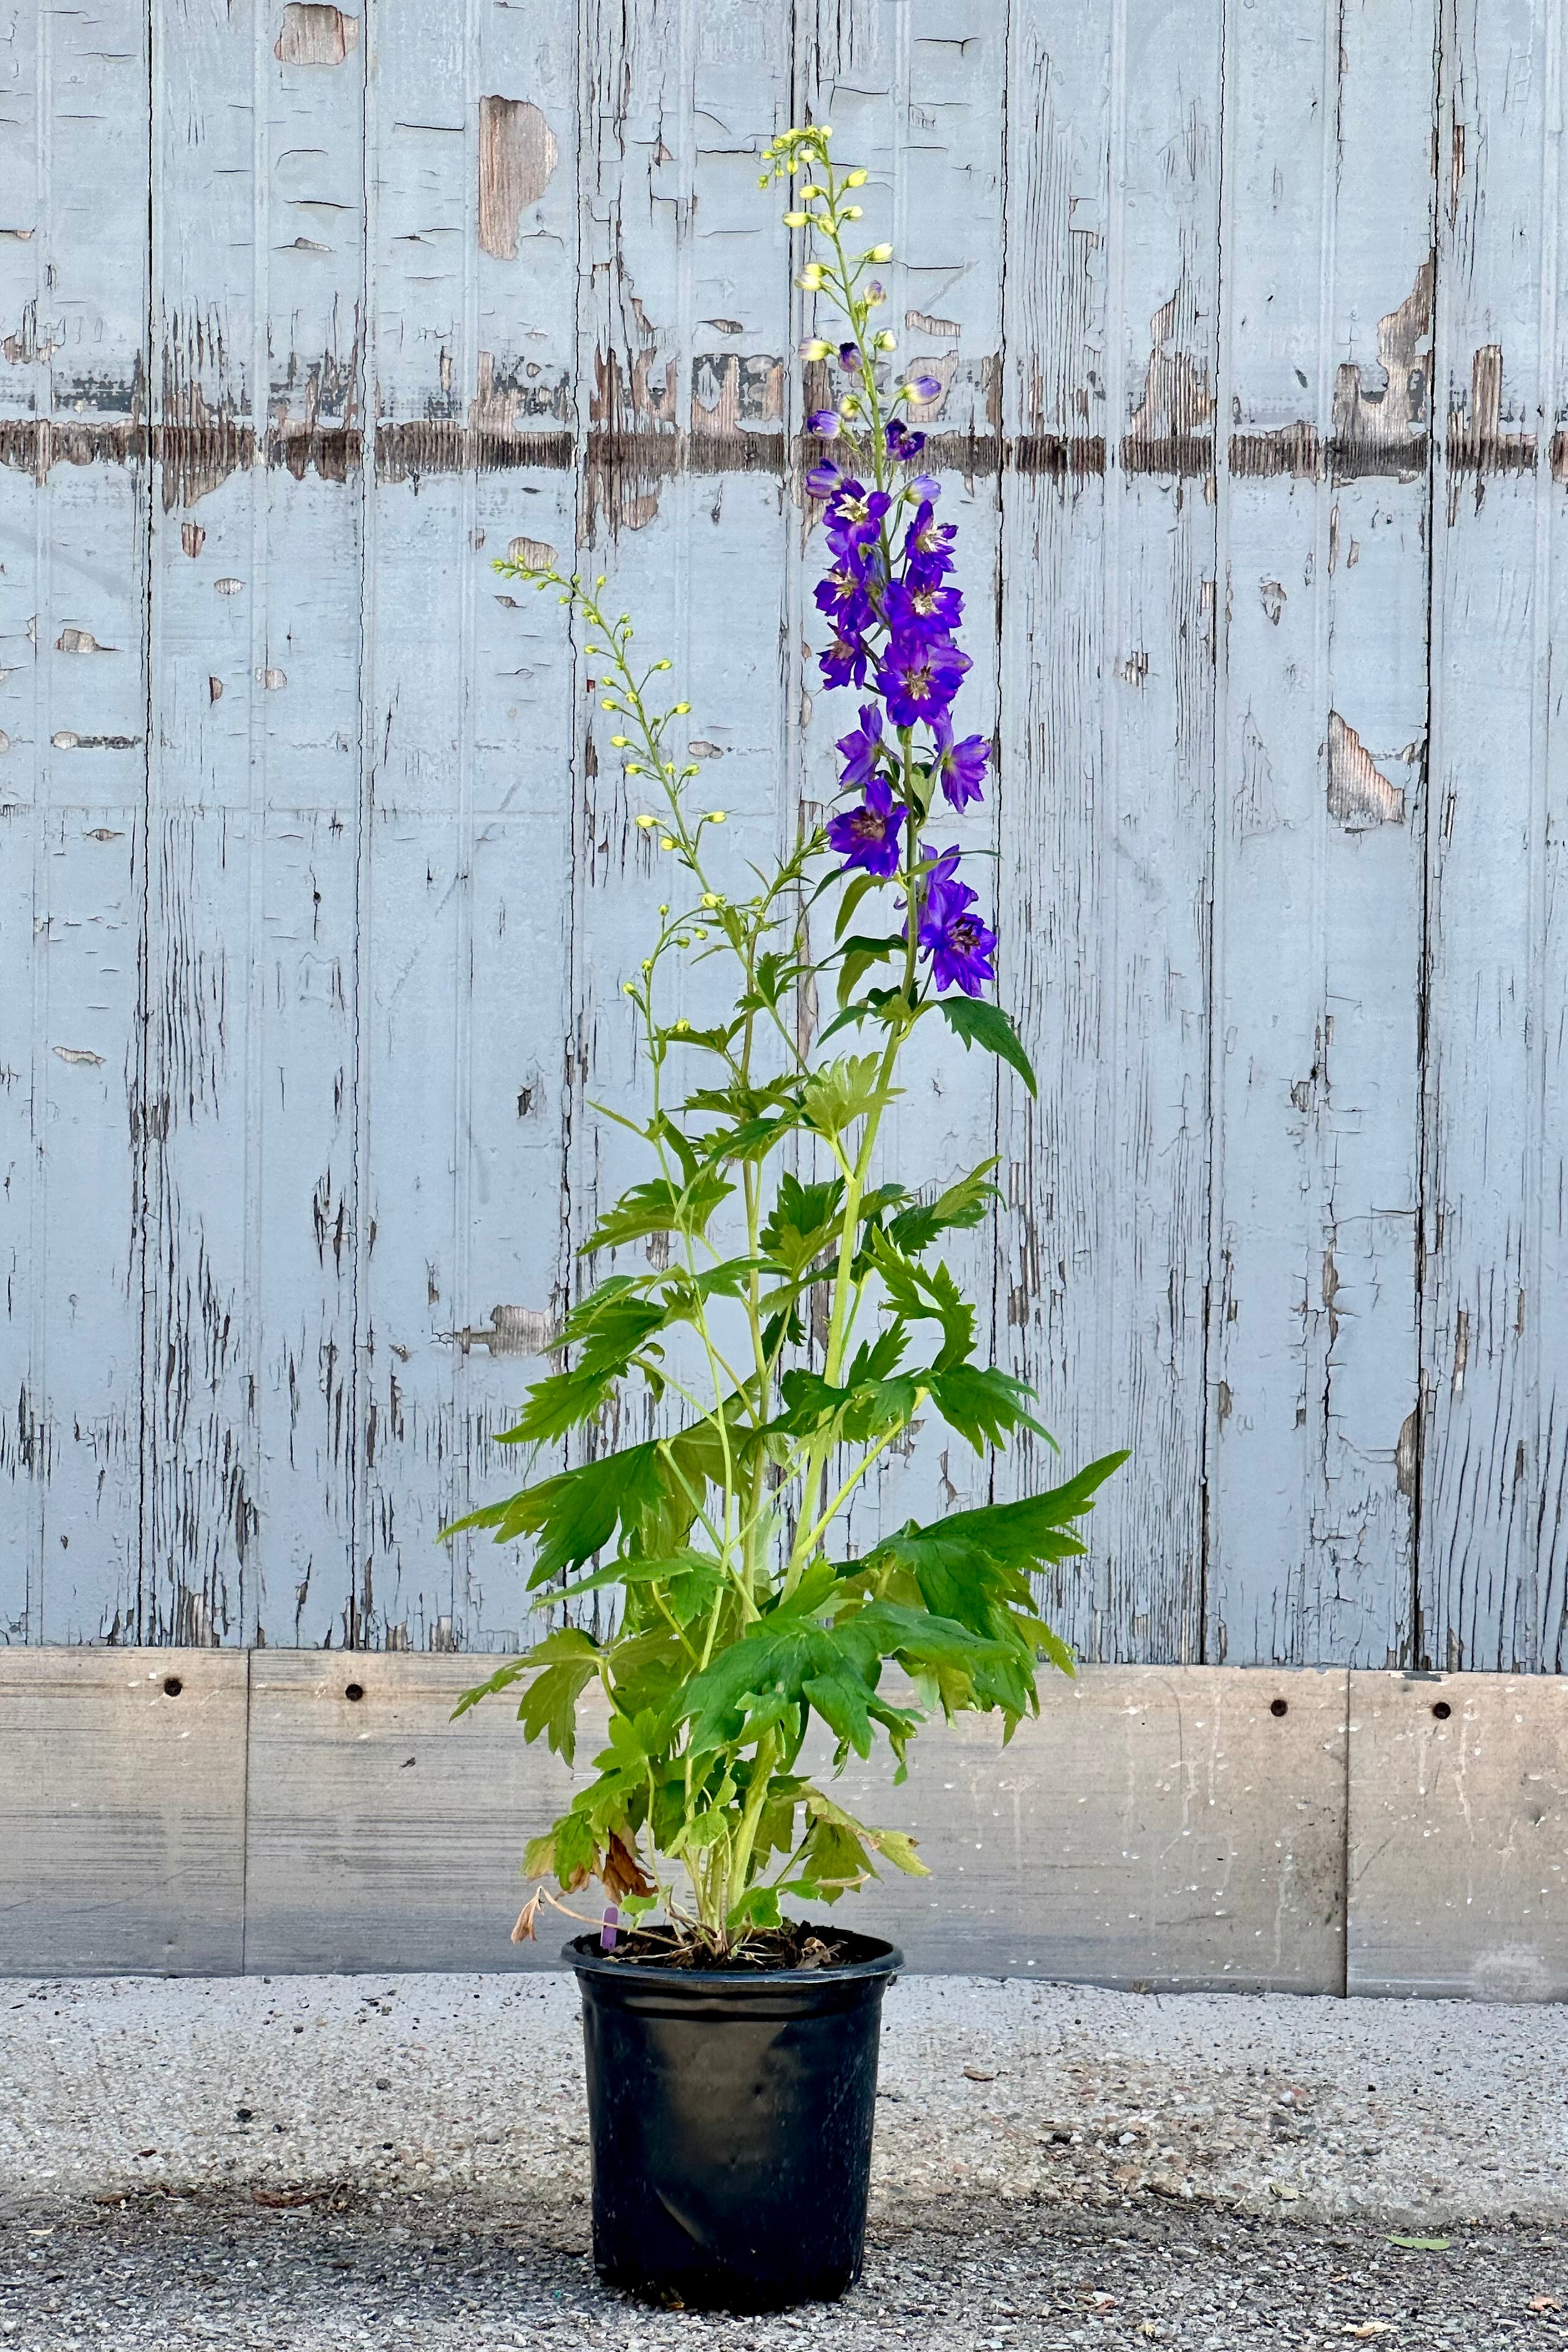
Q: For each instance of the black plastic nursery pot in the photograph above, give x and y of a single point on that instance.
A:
(730, 2119)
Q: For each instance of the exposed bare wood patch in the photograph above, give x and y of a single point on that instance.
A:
(1376, 424)
(1166, 434)
(1061, 455)
(1293, 449)
(533, 554)
(729, 390)
(80, 641)
(315, 36)
(1359, 795)
(511, 1331)
(193, 537)
(28, 347)
(516, 155)
(1477, 442)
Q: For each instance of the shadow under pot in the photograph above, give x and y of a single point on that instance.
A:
(730, 2118)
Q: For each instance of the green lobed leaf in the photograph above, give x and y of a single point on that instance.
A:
(984, 1405)
(962, 1204)
(658, 1207)
(979, 1023)
(833, 1098)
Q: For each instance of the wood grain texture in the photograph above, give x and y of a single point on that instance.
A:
(123, 1847)
(318, 877)
(1162, 1829)
(379, 1834)
(1494, 1332)
(1459, 1830)
(1315, 1042)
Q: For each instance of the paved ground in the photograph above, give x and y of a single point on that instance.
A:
(401, 2161)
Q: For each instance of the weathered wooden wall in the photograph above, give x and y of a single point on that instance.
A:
(317, 886)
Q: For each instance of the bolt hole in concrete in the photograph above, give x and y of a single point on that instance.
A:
(173, 1687)
(353, 1690)
(1441, 1709)
(1280, 1706)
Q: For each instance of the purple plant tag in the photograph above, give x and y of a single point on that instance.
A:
(607, 1932)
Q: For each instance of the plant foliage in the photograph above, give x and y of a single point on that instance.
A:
(812, 1299)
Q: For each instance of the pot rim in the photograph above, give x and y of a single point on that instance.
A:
(583, 1954)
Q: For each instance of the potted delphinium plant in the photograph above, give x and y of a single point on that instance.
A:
(733, 2049)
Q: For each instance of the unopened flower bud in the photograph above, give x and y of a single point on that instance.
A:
(885, 341)
(876, 294)
(881, 252)
(715, 816)
(666, 843)
(619, 742)
(628, 988)
(797, 220)
(816, 349)
(711, 899)
(850, 213)
(810, 282)
(683, 1024)
(647, 823)
(856, 180)
(609, 706)
(679, 709)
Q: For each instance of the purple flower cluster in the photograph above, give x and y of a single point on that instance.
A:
(893, 611)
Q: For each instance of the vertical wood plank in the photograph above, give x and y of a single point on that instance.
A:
(1116, 1343)
(201, 1511)
(81, 669)
(1495, 1358)
(305, 1188)
(1324, 506)
(24, 1447)
(682, 328)
(463, 957)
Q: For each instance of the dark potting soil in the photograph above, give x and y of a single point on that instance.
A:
(798, 1944)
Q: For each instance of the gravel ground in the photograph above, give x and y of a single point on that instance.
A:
(392, 2162)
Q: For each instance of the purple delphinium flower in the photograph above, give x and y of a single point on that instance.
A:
(855, 516)
(868, 836)
(860, 749)
(918, 607)
(919, 677)
(959, 944)
(824, 479)
(925, 389)
(841, 594)
(844, 659)
(849, 357)
(929, 544)
(903, 445)
(825, 423)
(960, 766)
